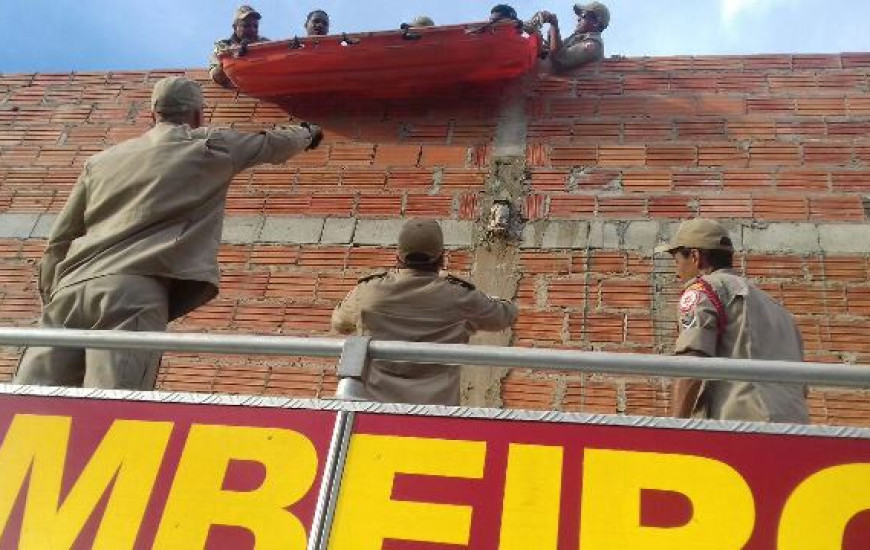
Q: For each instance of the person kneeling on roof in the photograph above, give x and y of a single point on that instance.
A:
(502, 12)
(246, 29)
(317, 23)
(422, 21)
(585, 45)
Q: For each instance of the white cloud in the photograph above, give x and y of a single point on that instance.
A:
(731, 10)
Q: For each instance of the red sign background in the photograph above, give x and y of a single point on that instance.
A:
(772, 465)
(92, 418)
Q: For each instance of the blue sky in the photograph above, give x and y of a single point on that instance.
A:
(99, 35)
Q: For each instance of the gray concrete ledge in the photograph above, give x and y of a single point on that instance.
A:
(632, 235)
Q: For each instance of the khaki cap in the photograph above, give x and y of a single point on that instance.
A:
(421, 238)
(599, 9)
(245, 11)
(422, 21)
(700, 233)
(176, 94)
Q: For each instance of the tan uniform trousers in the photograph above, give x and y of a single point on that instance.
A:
(112, 302)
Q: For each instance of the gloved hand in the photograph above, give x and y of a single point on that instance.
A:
(316, 135)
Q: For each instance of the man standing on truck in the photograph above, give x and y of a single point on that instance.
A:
(136, 243)
(724, 315)
(415, 303)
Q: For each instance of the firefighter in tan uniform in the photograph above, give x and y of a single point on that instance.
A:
(136, 244)
(724, 315)
(585, 44)
(415, 303)
(246, 30)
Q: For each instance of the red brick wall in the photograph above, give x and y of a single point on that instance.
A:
(764, 140)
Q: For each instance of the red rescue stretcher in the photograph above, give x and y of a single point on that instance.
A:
(388, 64)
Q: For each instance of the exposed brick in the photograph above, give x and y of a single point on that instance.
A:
(828, 153)
(444, 155)
(780, 154)
(780, 208)
(722, 155)
(851, 181)
(539, 328)
(664, 155)
(645, 131)
(549, 180)
(528, 391)
(625, 294)
(545, 262)
(572, 155)
(803, 181)
(621, 207)
(568, 206)
(428, 206)
(621, 155)
(726, 207)
(458, 178)
(677, 206)
(748, 128)
(748, 180)
(388, 154)
(647, 181)
(568, 293)
(849, 208)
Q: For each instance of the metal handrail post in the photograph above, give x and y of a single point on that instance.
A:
(353, 368)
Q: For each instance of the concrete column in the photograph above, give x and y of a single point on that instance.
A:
(496, 259)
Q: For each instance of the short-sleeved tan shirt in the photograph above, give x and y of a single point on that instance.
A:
(214, 62)
(746, 323)
(418, 306)
(574, 52)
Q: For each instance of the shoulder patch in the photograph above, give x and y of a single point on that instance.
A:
(372, 277)
(689, 300)
(461, 282)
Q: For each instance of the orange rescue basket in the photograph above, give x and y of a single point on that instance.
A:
(388, 64)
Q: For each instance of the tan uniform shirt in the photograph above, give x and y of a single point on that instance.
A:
(747, 325)
(225, 44)
(154, 206)
(573, 52)
(215, 69)
(418, 306)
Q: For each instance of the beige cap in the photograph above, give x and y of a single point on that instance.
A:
(599, 9)
(245, 11)
(176, 94)
(700, 233)
(421, 241)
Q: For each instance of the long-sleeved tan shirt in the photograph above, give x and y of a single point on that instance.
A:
(154, 206)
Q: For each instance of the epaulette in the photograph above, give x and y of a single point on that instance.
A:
(461, 282)
(380, 275)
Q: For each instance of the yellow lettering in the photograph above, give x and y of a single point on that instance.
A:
(366, 515)
(197, 500)
(130, 454)
(723, 507)
(817, 513)
(533, 489)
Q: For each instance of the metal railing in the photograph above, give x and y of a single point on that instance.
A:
(355, 353)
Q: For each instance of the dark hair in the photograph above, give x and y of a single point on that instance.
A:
(184, 117)
(316, 12)
(714, 259)
(422, 262)
(504, 10)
